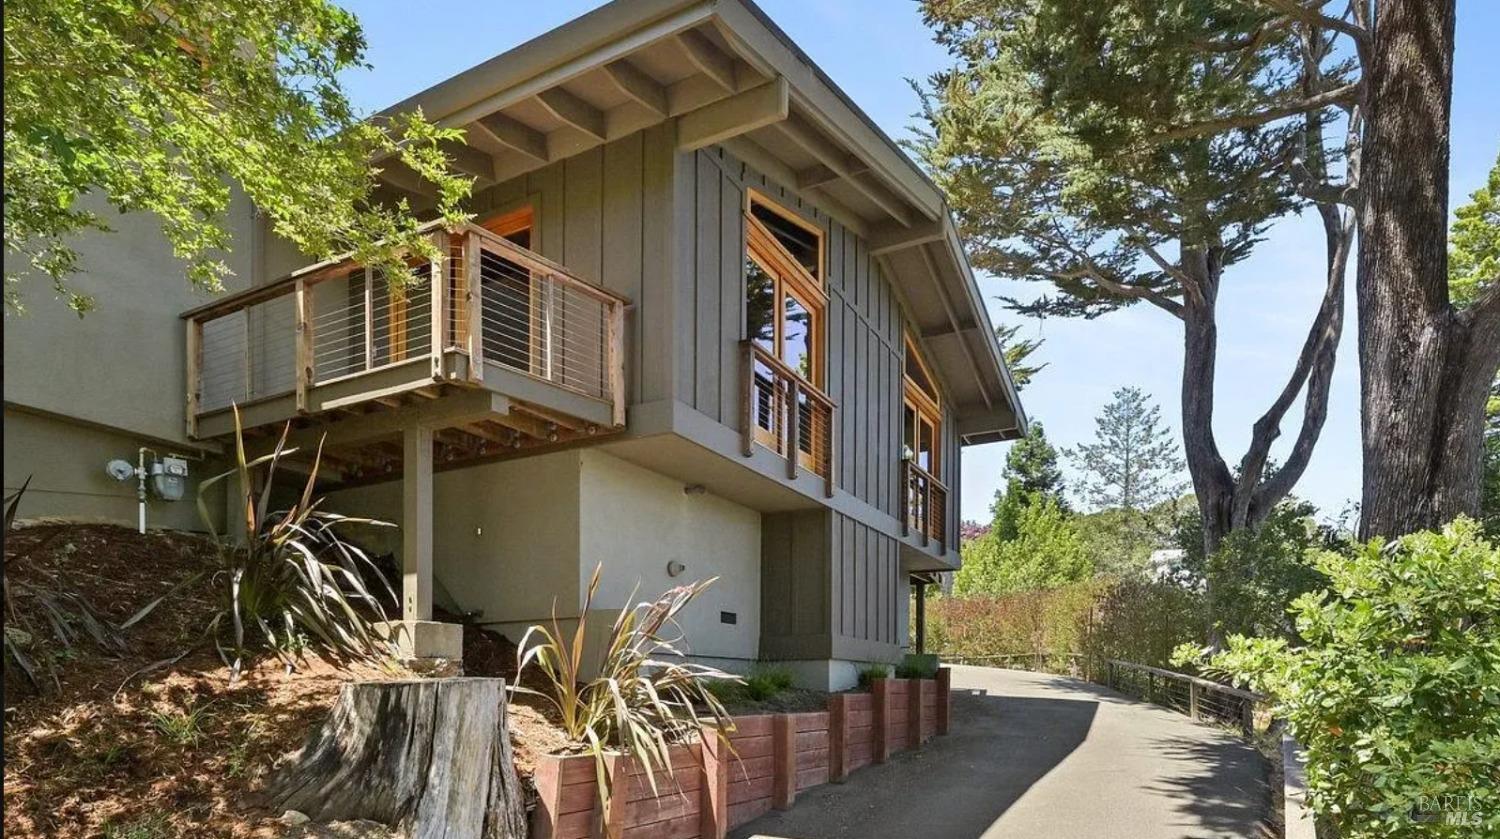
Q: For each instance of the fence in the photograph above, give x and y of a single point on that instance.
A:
(785, 413)
(767, 760)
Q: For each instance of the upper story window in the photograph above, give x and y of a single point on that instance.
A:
(922, 412)
(785, 305)
(784, 296)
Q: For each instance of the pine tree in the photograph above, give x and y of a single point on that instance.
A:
(1031, 474)
(1133, 463)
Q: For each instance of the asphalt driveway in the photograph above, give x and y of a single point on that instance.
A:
(1038, 756)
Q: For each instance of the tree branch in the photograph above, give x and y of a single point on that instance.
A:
(1309, 13)
(1346, 95)
(1315, 367)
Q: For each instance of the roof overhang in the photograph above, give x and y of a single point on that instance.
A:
(726, 74)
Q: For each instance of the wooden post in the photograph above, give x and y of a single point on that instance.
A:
(793, 427)
(713, 810)
(194, 374)
(926, 508)
(369, 319)
(249, 359)
(944, 698)
(547, 777)
(616, 311)
(783, 761)
(828, 480)
(1247, 716)
(921, 609)
(612, 819)
(1193, 700)
(747, 406)
(305, 357)
(474, 306)
(438, 271)
(880, 719)
(838, 737)
(905, 498)
(416, 524)
(914, 713)
(1110, 670)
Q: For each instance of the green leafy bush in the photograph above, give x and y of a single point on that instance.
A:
(915, 670)
(1047, 551)
(871, 672)
(1394, 689)
(766, 681)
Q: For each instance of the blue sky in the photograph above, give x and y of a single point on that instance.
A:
(870, 47)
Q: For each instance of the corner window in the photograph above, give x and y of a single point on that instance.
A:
(784, 314)
(922, 413)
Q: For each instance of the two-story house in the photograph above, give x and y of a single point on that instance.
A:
(709, 321)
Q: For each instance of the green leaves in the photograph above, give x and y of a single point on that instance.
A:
(134, 106)
(1474, 244)
(1395, 691)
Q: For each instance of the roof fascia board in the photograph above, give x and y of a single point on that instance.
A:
(991, 342)
(593, 40)
(771, 52)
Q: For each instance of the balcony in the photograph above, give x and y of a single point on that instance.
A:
(492, 345)
(924, 502)
(779, 407)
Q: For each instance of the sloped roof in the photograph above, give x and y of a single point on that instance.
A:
(729, 75)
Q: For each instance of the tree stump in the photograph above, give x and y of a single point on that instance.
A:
(430, 757)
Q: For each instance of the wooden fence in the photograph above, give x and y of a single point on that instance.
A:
(767, 761)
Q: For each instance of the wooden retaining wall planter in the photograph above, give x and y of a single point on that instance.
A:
(775, 756)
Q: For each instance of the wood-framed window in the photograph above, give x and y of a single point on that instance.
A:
(785, 306)
(922, 426)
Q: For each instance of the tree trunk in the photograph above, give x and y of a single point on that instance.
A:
(1424, 367)
(429, 757)
(1213, 486)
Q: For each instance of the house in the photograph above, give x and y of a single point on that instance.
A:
(709, 321)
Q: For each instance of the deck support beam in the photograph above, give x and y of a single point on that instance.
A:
(416, 524)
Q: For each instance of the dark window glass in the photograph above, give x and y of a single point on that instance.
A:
(801, 243)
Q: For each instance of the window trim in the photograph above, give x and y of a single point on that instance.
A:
(754, 197)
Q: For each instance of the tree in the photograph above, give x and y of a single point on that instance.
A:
(1031, 475)
(1132, 464)
(1017, 351)
(1427, 358)
(1057, 135)
(161, 107)
(1046, 552)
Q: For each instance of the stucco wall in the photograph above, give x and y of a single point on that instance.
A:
(505, 536)
(636, 521)
(123, 364)
(65, 460)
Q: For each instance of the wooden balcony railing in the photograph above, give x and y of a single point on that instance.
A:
(487, 300)
(785, 413)
(925, 502)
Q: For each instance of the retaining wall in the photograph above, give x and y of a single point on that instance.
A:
(770, 758)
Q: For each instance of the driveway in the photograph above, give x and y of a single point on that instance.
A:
(1034, 756)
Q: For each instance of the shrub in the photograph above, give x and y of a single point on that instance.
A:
(915, 670)
(766, 681)
(1023, 622)
(641, 700)
(1142, 621)
(1394, 690)
(1047, 552)
(871, 672)
(288, 579)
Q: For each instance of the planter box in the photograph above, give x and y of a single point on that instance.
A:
(771, 758)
